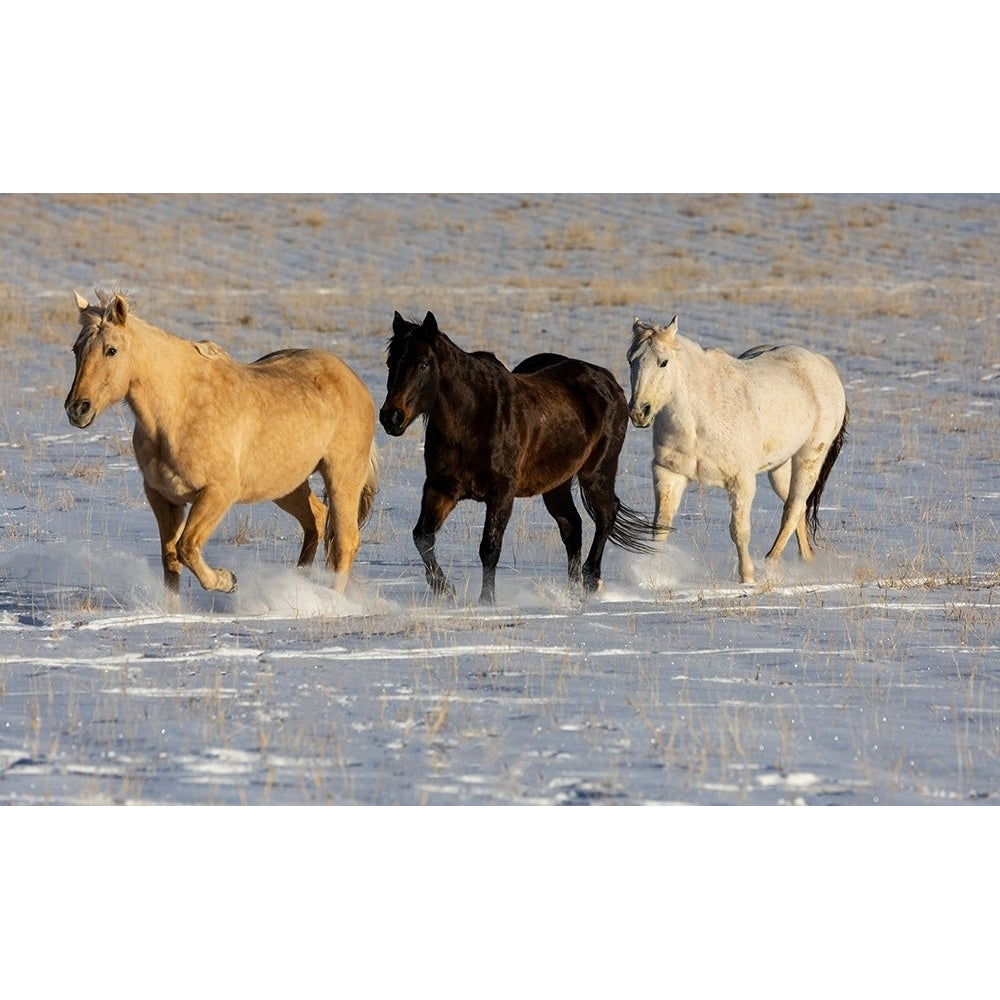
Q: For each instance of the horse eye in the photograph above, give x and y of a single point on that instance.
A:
(111, 352)
(663, 364)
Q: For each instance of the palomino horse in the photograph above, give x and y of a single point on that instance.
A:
(722, 420)
(211, 432)
(493, 435)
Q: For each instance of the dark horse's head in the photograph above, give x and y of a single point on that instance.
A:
(414, 376)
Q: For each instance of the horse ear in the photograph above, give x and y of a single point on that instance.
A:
(637, 325)
(670, 330)
(118, 310)
(81, 302)
(399, 325)
(430, 325)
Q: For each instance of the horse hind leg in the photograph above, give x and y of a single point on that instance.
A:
(781, 479)
(311, 513)
(559, 503)
(601, 503)
(802, 478)
(341, 533)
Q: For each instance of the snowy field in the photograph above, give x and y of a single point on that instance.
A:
(870, 677)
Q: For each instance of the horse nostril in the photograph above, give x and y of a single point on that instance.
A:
(640, 414)
(391, 419)
(79, 412)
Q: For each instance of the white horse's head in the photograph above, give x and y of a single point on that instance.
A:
(652, 374)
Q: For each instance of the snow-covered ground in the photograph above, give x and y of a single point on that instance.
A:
(871, 676)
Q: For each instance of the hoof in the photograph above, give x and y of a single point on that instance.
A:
(226, 581)
(444, 590)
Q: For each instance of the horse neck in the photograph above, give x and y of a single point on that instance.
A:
(697, 385)
(159, 363)
(463, 389)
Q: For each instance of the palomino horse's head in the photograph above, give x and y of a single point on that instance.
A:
(103, 371)
(653, 348)
(414, 375)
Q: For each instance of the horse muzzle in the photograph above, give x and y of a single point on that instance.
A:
(80, 412)
(393, 420)
(641, 414)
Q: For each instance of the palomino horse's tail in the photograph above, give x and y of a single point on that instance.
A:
(370, 487)
(812, 504)
(631, 531)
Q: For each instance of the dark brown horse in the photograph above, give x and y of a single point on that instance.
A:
(493, 435)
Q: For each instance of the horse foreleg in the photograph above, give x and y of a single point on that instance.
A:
(781, 479)
(498, 511)
(206, 512)
(310, 512)
(170, 522)
(559, 503)
(434, 509)
(741, 493)
(668, 490)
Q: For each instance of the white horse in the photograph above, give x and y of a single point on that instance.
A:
(722, 420)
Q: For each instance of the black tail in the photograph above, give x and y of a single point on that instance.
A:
(631, 531)
(812, 504)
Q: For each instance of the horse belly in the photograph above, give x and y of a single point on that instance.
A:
(166, 481)
(281, 444)
(778, 447)
(270, 466)
(714, 460)
(802, 416)
(680, 453)
(550, 462)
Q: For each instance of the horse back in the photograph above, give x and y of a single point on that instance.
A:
(534, 427)
(310, 369)
(791, 362)
(797, 387)
(583, 385)
(539, 361)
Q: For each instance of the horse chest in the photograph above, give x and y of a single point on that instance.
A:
(167, 480)
(162, 472)
(714, 445)
(708, 458)
(466, 470)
